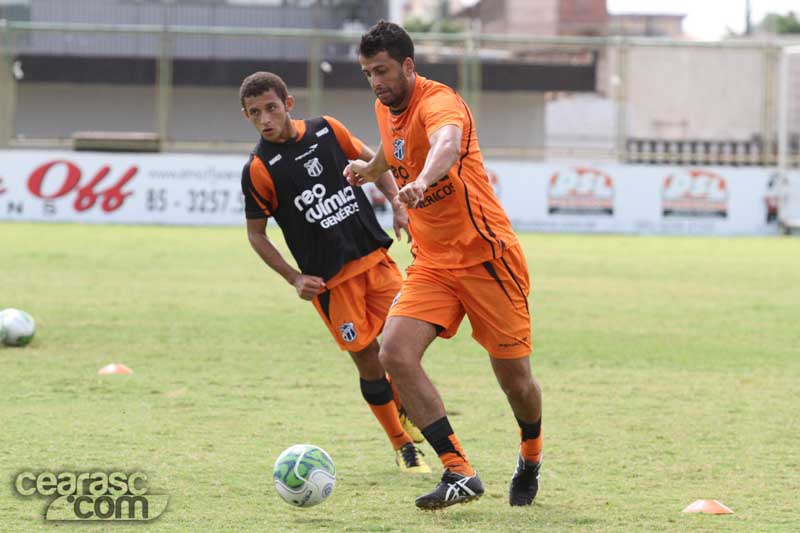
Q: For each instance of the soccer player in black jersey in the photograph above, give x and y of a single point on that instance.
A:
(294, 175)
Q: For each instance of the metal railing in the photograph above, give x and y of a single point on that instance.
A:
(633, 110)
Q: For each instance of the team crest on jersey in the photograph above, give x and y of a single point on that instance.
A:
(314, 167)
(348, 331)
(399, 149)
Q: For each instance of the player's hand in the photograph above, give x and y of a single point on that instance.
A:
(400, 219)
(412, 193)
(308, 286)
(357, 173)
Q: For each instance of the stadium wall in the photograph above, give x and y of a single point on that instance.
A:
(212, 113)
(190, 189)
(701, 93)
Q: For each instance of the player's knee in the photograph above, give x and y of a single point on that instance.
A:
(370, 353)
(393, 356)
(388, 357)
(518, 386)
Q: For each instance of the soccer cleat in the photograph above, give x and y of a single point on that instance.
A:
(453, 488)
(409, 427)
(409, 459)
(524, 483)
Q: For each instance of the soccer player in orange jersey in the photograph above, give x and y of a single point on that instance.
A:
(294, 175)
(467, 261)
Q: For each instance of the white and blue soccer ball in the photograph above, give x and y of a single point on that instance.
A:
(304, 475)
(16, 327)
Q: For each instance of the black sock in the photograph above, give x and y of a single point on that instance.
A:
(377, 392)
(438, 436)
(530, 431)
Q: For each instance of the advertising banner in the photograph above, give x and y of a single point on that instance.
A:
(121, 188)
(567, 197)
(550, 197)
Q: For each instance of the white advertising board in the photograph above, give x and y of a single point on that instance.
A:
(551, 197)
(641, 199)
(121, 188)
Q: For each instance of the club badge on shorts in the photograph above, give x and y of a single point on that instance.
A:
(399, 149)
(348, 331)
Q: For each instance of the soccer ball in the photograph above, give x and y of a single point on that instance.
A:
(304, 475)
(16, 327)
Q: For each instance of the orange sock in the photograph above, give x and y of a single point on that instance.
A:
(388, 417)
(531, 449)
(395, 394)
(457, 462)
(530, 434)
(440, 436)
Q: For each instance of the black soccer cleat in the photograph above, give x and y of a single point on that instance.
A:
(452, 489)
(524, 483)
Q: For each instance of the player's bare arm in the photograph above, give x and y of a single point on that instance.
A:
(445, 149)
(306, 286)
(386, 184)
(399, 213)
(360, 172)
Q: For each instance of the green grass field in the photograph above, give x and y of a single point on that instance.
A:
(670, 369)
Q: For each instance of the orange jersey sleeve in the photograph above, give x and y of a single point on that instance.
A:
(260, 197)
(351, 145)
(441, 108)
(460, 221)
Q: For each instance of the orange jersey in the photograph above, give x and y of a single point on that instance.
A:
(460, 222)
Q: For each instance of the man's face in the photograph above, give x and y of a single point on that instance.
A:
(388, 78)
(269, 115)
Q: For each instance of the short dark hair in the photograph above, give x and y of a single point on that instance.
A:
(258, 83)
(387, 37)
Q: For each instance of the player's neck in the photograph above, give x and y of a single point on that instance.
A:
(407, 98)
(289, 133)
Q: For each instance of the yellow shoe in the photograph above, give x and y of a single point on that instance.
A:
(409, 427)
(409, 459)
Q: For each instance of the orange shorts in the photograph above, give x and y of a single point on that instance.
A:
(493, 295)
(355, 309)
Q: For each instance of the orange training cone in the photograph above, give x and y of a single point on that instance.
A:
(708, 507)
(114, 368)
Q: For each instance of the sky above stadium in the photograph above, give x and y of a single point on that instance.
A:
(708, 19)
